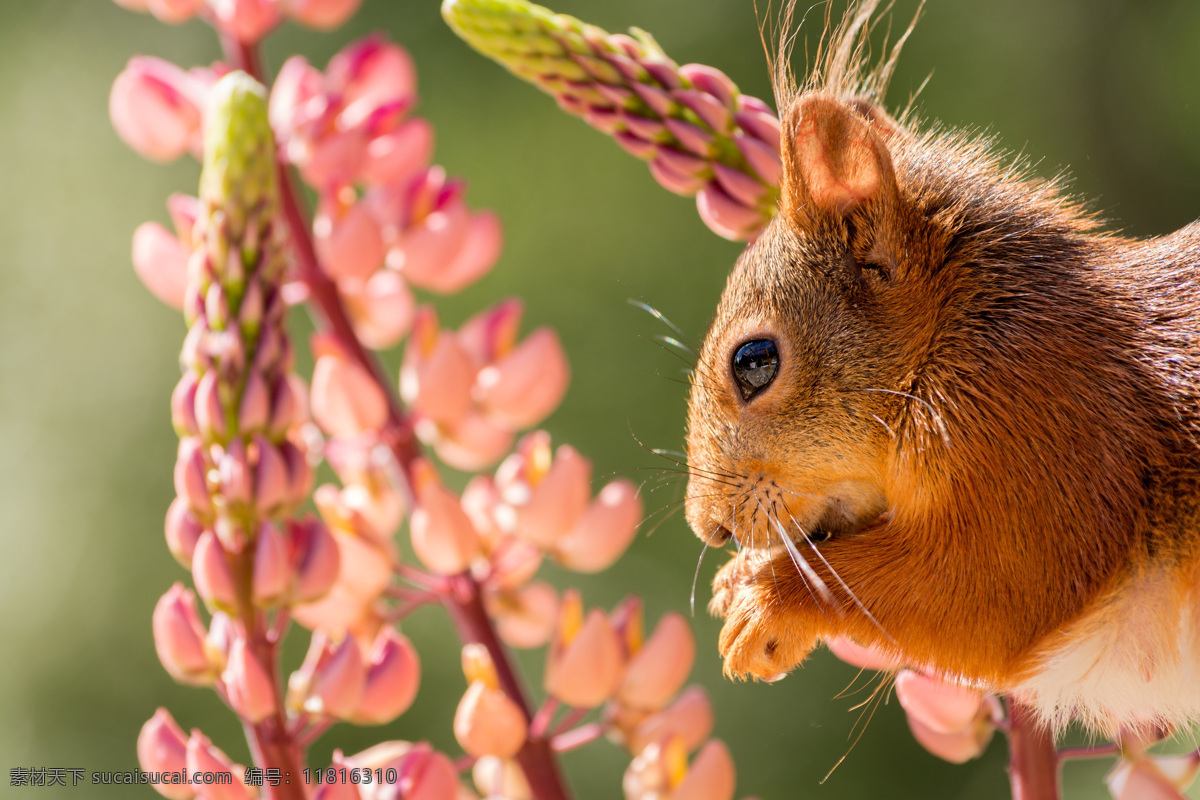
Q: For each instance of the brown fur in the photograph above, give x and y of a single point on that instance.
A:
(992, 406)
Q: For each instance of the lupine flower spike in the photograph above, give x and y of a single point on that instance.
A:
(699, 134)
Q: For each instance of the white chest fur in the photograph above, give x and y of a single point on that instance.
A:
(1135, 660)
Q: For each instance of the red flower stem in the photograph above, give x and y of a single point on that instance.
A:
(536, 758)
(462, 600)
(1032, 757)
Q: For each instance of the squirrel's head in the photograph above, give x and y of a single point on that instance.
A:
(918, 381)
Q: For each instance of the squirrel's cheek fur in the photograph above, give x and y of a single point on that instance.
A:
(979, 451)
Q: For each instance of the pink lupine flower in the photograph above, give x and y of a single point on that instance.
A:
(246, 20)
(160, 261)
(584, 662)
(436, 377)
(203, 756)
(272, 568)
(549, 496)
(296, 98)
(604, 531)
(863, 657)
(396, 156)
(364, 571)
(212, 575)
(370, 73)
(725, 215)
(442, 534)
(957, 747)
(337, 790)
(314, 558)
(524, 616)
(500, 777)
(488, 722)
(424, 773)
(162, 747)
(393, 675)
(320, 14)
(939, 705)
(179, 637)
(492, 333)
(155, 108)
(381, 308)
(346, 400)
(182, 531)
(690, 717)
(372, 513)
(1153, 777)
(346, 236)
(331, 679)
(527, 384)
(710, 776)
(472, 443)
(251, 691)
(658, 669)
(173, 12)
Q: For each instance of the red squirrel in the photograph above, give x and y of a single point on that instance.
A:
(945, 414)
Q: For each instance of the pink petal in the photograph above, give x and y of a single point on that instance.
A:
(725, 216)
(956, 748)
(659, 669)
(864, 657)
(345, 398)
(160, 261)
(604, 531)
(558, 501)
(152, 108)
(381, 309)
(250, 690)
(525, 386)
(710, 775)
(323, 15)
(396, 156)
(162, 747)
(942, 707)
(488, 723)
(473, 443)
(481, 243)
(525, 617)
(393, 675)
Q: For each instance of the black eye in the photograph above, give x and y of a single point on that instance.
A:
(754, 366)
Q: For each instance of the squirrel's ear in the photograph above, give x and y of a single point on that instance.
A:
(834, 159)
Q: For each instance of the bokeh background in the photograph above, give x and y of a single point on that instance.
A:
(88, 357)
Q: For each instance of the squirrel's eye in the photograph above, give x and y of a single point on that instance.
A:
(754, 366)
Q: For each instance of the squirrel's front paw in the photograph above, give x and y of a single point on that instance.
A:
(761, 637)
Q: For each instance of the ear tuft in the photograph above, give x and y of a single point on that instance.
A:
(836, 162)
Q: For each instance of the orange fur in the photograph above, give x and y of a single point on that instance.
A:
(991, 407)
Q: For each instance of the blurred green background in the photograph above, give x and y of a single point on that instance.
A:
(88, 357)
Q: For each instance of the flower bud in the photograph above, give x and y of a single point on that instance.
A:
(155, 108)
(427, 774)
(584, 664)
(726, 216)
(212, 575)
(442, 534)
(315, 560)
(183, 405)
(162, 747)
(500, 777)
(488, 722)
(393, 674)
(255, 408)
(233, 471)
(183, 531)
(660, 667)
(524, 387)
(203, 756)
(345, 398)
(331, 679)
(179, 637)
(210, 414)
(160, 261)
(272, 570)
(323, 15)
(190, 480)
(250, 690)
(604, 531)
(272, 475)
